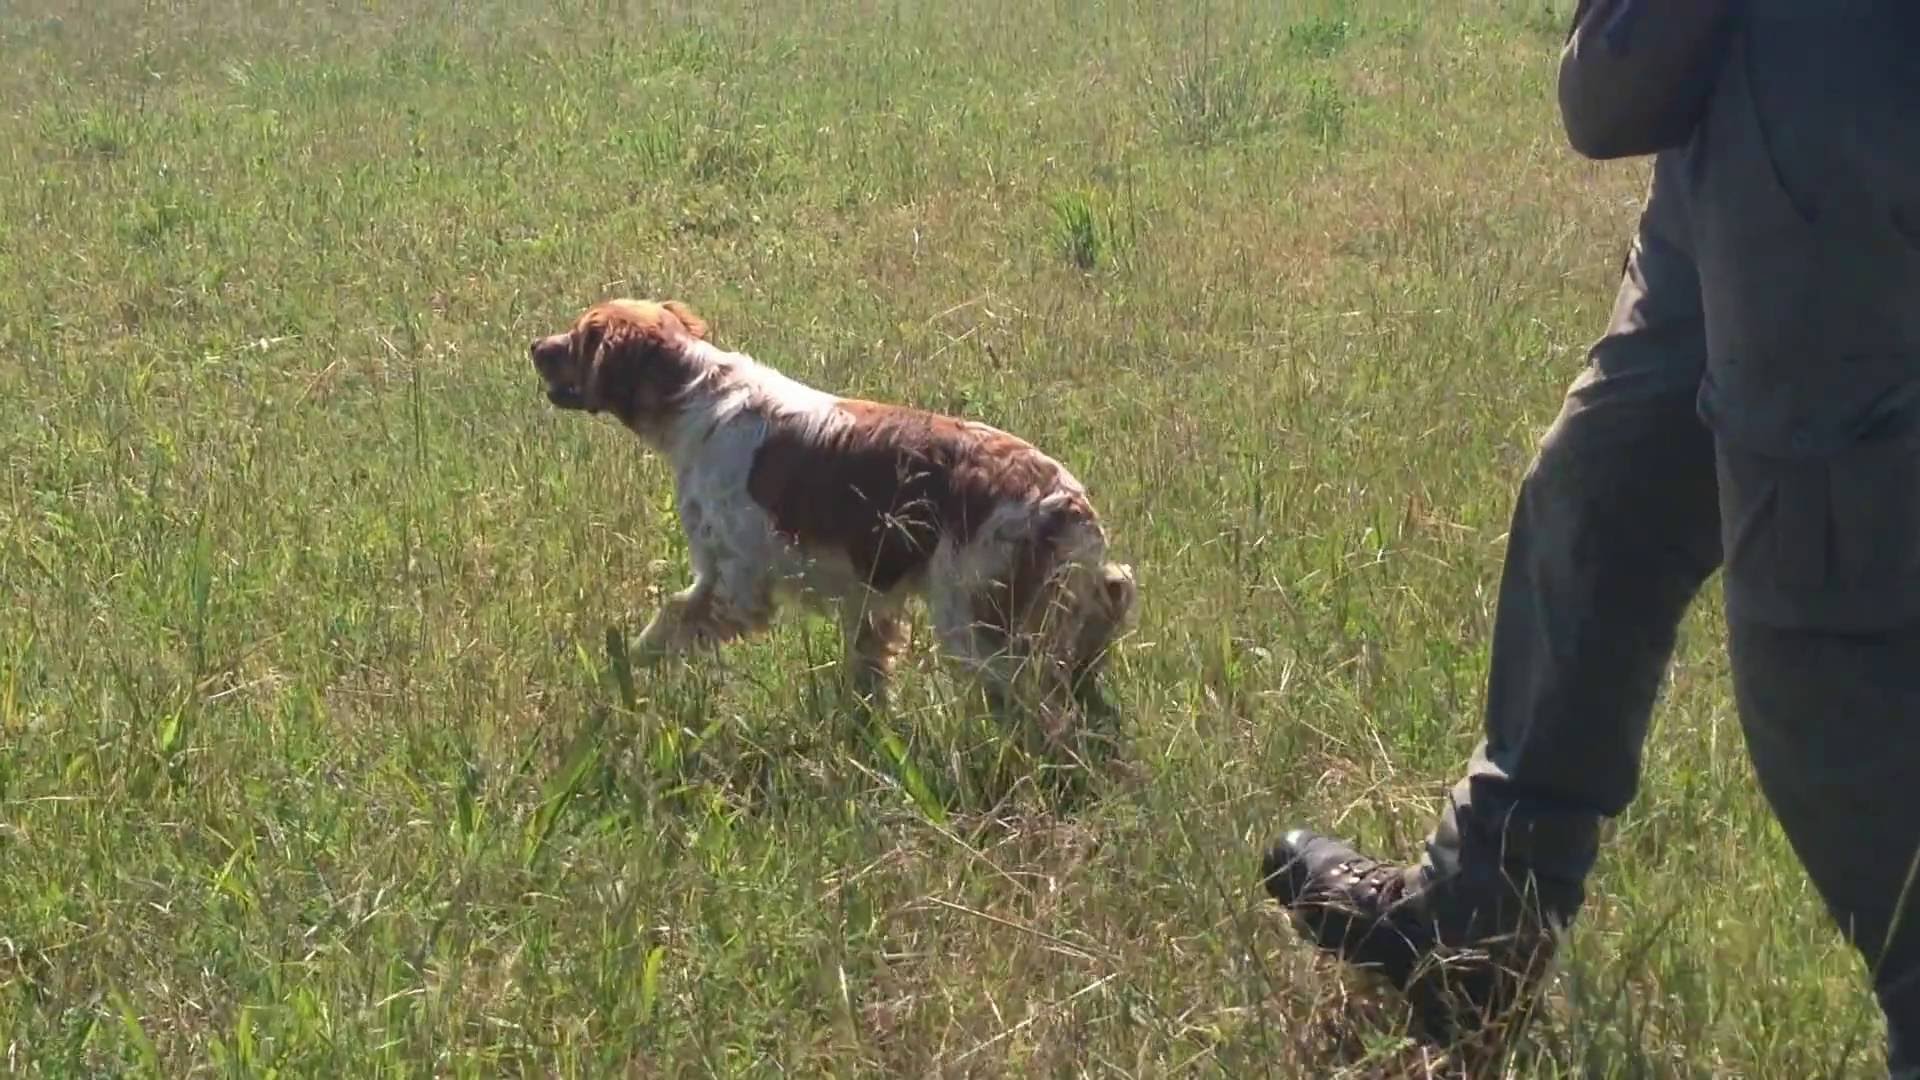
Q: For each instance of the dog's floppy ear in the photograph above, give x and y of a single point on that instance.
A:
(585, 342)
(587, 346)
(695, 325)
(631, 369)
(604, 352)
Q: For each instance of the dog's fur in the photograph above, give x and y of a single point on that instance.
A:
(786, 490)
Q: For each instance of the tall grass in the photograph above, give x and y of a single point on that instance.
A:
(319, 750)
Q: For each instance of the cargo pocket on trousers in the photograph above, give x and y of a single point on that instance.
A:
(1874, 502)
(1829, 543)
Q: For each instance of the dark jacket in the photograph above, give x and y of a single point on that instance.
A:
(1803, 189)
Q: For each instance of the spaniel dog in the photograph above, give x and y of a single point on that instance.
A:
(785, 491)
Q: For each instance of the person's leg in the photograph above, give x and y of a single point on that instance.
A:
(1615, 530)
(1831, 722)
(1807, 191)
(1823, 616)
(1613, 533)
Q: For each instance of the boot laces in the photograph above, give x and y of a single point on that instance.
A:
(1367, 885)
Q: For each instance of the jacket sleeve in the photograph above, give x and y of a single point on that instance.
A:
(1636, 75)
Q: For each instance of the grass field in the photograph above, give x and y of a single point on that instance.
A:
(315, 759)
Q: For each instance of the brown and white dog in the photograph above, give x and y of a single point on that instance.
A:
(786, 491)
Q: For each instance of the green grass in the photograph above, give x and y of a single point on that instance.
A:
(315, 758)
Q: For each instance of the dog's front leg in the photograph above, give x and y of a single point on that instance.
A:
(678, 625)
(875, 639)
(707, 614)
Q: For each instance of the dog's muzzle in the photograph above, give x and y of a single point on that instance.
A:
(566, 397)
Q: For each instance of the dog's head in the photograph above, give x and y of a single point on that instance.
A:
(624, 357)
